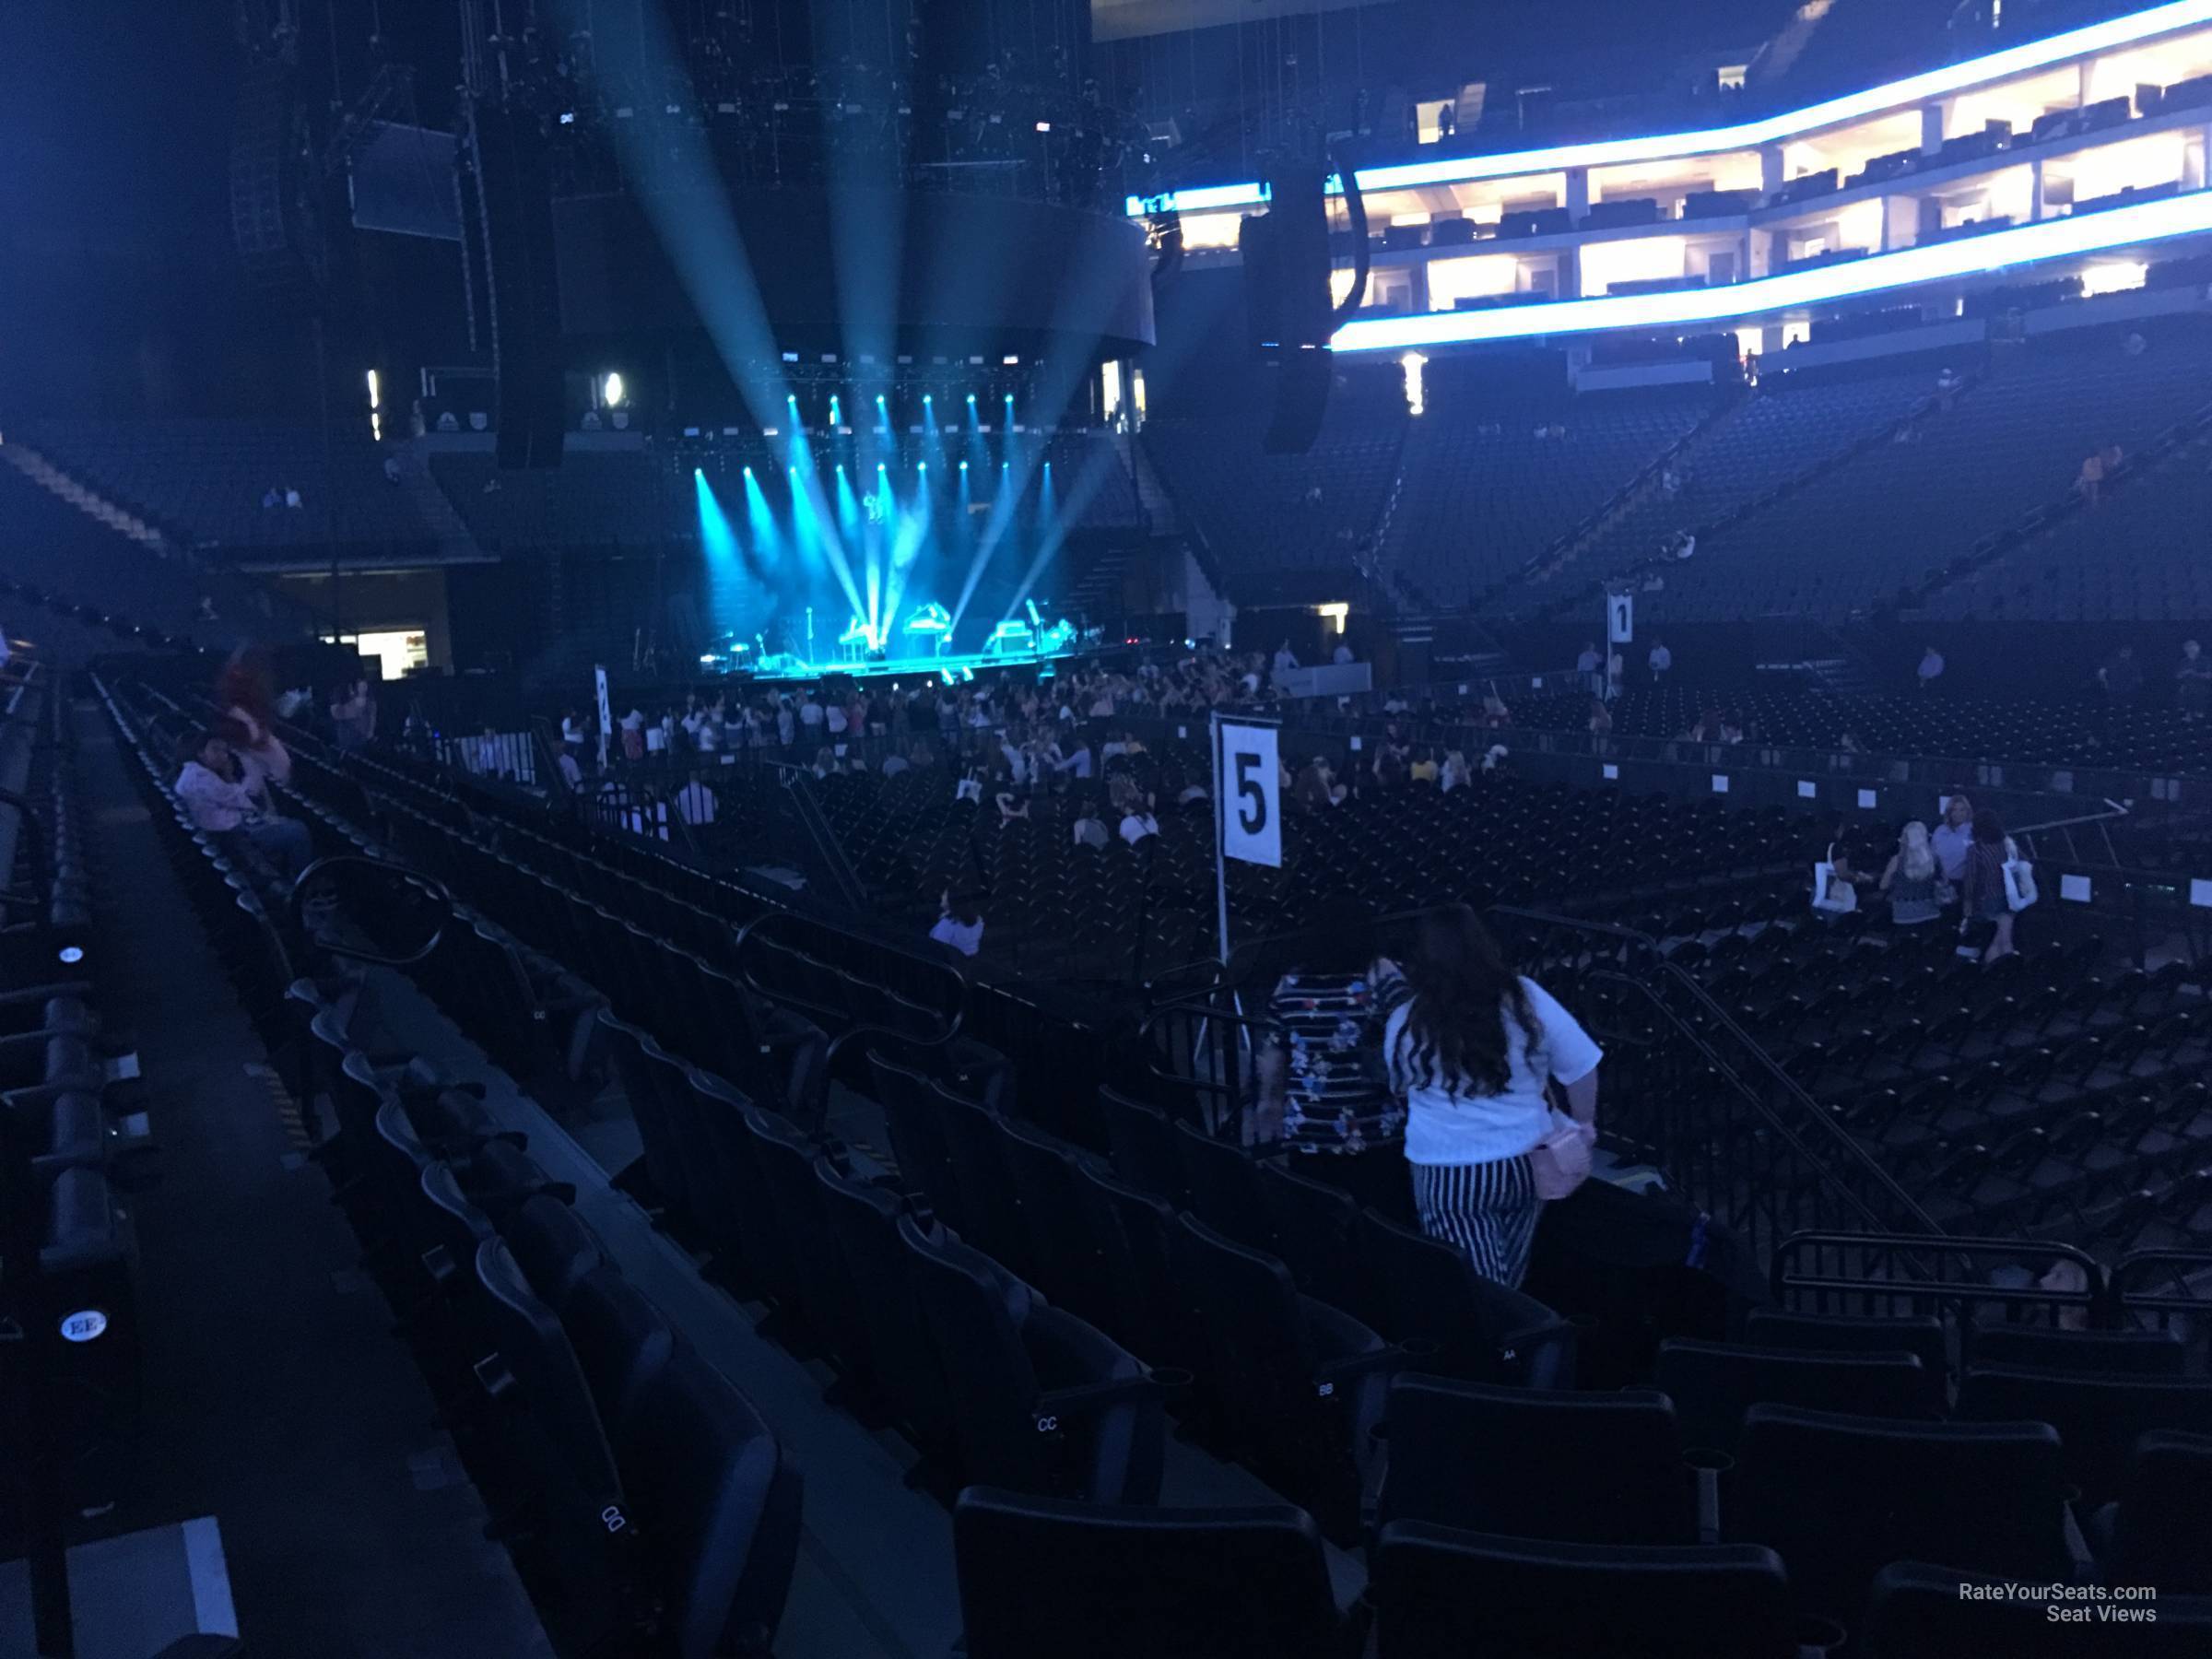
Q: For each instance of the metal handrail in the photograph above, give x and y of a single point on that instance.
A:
(1783, 1279)
(1808, 1108)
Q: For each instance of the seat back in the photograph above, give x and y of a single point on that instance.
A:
(1484, 1332)
(1442, 1593)
(2098, 1417)
(621, 1339)
(1585, 1468)
(1840, 1497)
(2111, 1353)
(975, 1312)
(1919, 1334)
(1079, 1580)
(1313, 1225)
(1064, 1251)
(1223, 1180)
(988, 1203)
(566, 1430)
(2162, 1533)
(820, 1296)
(917, 1139)
(1150, 1314)
(552, 1245)
(718, 1501)
(1714, 1383)
(1143, 1142)
(863, 1222)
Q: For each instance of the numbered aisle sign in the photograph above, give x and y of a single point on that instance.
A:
(1620, 618)
(1251, 794)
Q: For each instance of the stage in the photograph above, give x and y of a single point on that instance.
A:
(1013, 644)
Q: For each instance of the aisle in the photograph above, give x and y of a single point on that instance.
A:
(278, 1399)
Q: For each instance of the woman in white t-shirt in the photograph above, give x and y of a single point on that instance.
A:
(1471, 1052)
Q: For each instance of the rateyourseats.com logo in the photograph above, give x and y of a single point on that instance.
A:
(2073, 1603)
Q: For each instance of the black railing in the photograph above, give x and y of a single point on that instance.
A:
(1887, 1275)
(1697, 1096)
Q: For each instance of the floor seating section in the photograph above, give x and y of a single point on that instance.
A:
(2150, 736)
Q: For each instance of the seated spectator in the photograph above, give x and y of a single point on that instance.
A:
(825, 762)
(228, 802)
(2089, 483)
(970, 785)
(1091, 828)
(959, 922)
(1137, 822)
(1910, 879)
(571, 768)
(1011, 806)
(1455, 773)
(1424, 769)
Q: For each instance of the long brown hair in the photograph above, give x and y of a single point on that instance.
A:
(1455, 1033)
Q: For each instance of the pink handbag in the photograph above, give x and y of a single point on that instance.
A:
(1561, 1162)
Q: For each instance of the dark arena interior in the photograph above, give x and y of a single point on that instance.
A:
(1105, 829)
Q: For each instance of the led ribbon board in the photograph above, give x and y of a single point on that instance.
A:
(2023, 59)
(1975, 255)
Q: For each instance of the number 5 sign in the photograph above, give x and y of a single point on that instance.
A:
(1251, 794)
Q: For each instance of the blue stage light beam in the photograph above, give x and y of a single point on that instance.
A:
(1101, 465)
(676, 183)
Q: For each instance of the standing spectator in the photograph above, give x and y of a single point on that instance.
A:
(1342, 657)
(1931, 668)
(1984, 889)
(571, 768)
(1909, 879)
(1285, 659)
(1473, 1053)
(1953, 838)
(1661, 662)
(959, 922)
(633, 735)
(1322, 1084)
(1591, 666)
(2192, 681)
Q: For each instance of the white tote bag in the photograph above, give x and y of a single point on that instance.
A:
(1838, 898)
(2019, 879)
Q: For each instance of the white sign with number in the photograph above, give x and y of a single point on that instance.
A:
(1620, 618)
(1252, 795)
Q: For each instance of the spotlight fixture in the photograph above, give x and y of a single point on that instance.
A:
(611, 391)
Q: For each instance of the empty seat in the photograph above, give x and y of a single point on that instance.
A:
(2161, 1529)
(2099, 1419)
(717, 1500)
(1442, 1593)
(1039, 1400)
(1484, 1332)
(1585, 1468)
(2112, 1353)
(622, 1340)
(902, 1361)
(1919, 1334)
(1841, 1497)
(1298, 1386)
(1223, 1180)
(1712, 1385)
(1040, 1576)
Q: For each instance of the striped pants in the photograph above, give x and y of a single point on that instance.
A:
(1488, 1209)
